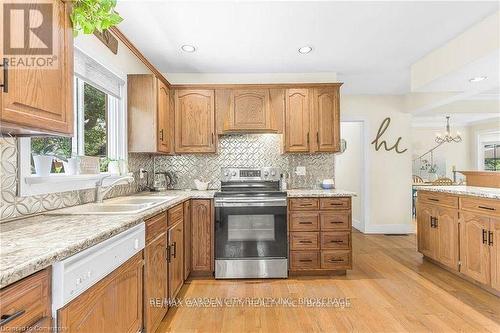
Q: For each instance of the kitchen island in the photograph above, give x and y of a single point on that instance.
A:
(459, 229)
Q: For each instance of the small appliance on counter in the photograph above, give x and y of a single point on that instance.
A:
(250, 225)
(162, 180)
(328, 184)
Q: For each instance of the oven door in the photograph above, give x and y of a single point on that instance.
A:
(251, 230)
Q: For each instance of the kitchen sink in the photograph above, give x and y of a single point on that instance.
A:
(122, 205)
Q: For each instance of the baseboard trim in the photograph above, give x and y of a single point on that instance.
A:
(357, 225)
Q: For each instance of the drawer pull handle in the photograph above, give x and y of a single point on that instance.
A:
(8, 318)
(485, 207)
(306, 204)
(305, 260)
(336, 204)
(336, 241)
(434, 199)
(336, 260)
(336, 222)
(305, 222)
(305, 241)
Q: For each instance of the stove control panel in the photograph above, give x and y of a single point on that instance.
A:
(250, 174)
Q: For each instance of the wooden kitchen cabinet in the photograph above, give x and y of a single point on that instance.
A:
(117, 296)
(249, 110)
(202, 231)
(494, 243)
(155, 272)
(312, 120)
(47, 106)
(319, 235)
(150, 116)
(474, 249)
(427, 236)
(195, 121)
(26, 304)
(176, 261)
(297, 117)
(187, 239)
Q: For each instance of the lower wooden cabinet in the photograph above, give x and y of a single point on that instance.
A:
(155, 272)
(114, 304)
(202, 232)
(176, 260)
(187, 239)
(319, 234)
(461, 233)
(25, 305)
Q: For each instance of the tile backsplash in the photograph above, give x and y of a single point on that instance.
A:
(239, 150)
(246, 150)
(12, 206)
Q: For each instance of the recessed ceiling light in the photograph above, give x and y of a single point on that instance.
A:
(305, 49)
(188, 48)
(478, 79)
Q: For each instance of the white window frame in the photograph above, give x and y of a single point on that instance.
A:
(30, 184)
(484, 138)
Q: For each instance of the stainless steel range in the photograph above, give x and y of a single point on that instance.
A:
(250, 225)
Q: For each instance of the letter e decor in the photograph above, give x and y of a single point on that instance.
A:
(381, 130)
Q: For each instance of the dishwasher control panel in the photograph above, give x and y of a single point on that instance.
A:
(73, 275)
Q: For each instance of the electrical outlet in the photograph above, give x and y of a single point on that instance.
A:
(300, 171)
(141, 173)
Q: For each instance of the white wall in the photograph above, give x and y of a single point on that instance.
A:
(388, 190)
(445, 156)
(349, 168)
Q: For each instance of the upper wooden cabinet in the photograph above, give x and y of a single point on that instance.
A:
(312, 120)
(326, 109)
(40, 100)
(195, 121)
(297, 118)
(249, 110)
(149, 107)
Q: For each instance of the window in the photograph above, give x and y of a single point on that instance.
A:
(99, 131)
(492, 156)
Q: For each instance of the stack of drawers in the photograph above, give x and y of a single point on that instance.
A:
(320, 234)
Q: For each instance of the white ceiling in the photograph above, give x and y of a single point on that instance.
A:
(371, 45)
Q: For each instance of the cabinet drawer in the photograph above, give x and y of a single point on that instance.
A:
(304, 241)
(304, 260)
(334, 259)
(336, 240)
(335, 220)
(438, 199)
(27, 302)
(304, 204)
(335, 203)
(155, 226)
(304, 221)
(175, 214)
(484, 206)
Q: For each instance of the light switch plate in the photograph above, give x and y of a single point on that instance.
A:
(300, 171)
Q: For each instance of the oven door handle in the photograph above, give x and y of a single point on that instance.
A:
(250, 202)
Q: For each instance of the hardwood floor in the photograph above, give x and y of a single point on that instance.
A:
(391, 289)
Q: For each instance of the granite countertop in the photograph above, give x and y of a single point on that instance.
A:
(481, 192)
(319, 193)
(33, 243)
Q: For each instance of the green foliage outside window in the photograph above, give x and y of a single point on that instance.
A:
(95, 127)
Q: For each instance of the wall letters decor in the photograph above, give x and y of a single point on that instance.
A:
(381, 130)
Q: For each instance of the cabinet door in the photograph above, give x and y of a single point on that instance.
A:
(494, 243)
(474, 250)
(202, 235)
(46, 107)
(112, 305)
(195, 121)
(297, 108)
(164, 127)
(155, 282)
(187, 239)
(176, 264)
(250, 110)
(447, 237)
(426, 234)
(326, 123)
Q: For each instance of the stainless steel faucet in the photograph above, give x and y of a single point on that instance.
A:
(100, 193)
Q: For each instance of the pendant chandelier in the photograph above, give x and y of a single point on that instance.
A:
(448, 137)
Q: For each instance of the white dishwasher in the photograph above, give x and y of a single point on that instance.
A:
(74, 275)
